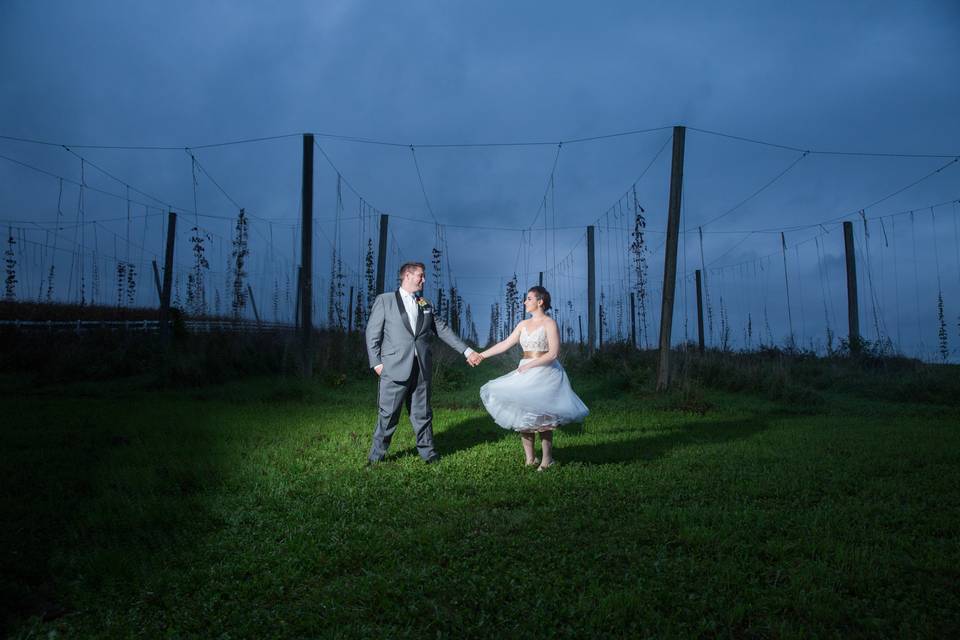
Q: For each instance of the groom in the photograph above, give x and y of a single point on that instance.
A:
(398, 344)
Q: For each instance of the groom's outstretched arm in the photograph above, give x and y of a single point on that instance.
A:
(375, 332)
(448, 335)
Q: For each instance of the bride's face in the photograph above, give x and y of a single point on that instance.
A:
(531, 303)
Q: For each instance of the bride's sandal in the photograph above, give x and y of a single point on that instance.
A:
(536, 461)
(544, 467)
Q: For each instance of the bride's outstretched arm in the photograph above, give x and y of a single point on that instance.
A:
(504, 344)
(553, 348)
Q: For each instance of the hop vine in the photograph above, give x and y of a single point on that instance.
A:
(10, 260)
(238, 264)
(638, 251)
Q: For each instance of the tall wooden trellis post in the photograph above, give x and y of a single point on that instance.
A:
(670, 259)
(167, 276)
(382, 253)
(700, 341)
(853, 313)
(306, 258)
(591, 292)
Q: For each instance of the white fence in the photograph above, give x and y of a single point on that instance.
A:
(199, 326)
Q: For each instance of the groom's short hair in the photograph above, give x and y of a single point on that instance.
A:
(411, 266)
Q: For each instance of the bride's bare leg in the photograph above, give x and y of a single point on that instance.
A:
(546, 445)
(528, 447)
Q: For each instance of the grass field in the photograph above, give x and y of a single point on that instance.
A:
(244, 511)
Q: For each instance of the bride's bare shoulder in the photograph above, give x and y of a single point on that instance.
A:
(549, 322)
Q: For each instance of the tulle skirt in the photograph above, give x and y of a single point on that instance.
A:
(539, 399)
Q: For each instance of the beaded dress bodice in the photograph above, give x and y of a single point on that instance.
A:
(534, 341)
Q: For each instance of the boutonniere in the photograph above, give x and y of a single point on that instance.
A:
(422, 303)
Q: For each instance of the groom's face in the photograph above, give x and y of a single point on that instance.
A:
(413, 280)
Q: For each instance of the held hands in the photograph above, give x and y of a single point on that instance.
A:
(474, 359)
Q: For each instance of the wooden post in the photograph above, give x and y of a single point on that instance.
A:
(253, 303)
(541, 278)
(786, 284)
(156, 279)
(296, 307)
(600, 328)
(853, 315)
(633, 319)
(700, 340)
(580, 322)
(591, 294)
(382, 252)
(167, 275)
(350, 312)
(306, 257)
(670, 259)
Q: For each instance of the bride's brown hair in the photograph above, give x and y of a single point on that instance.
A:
(541, 294)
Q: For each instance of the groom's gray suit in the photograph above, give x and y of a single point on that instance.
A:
(404, 352)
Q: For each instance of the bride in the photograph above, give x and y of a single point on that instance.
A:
(536, 397)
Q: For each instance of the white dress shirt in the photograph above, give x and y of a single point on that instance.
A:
(410, 306)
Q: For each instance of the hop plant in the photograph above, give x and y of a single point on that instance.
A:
(238, 262)
(131, 284)
(942, 333)
(10, 283)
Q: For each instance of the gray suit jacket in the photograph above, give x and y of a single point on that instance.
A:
(392, 342)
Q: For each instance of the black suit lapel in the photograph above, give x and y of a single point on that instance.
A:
(419, 320)
(403, 313)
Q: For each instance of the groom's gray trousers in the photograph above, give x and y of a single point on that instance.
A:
(413, 392)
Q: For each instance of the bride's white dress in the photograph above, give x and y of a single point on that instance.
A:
(539, 399)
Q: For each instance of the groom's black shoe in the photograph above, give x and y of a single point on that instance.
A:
(434, 459)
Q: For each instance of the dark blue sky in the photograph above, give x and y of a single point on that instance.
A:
(865, 77)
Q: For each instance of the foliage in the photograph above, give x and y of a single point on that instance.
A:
(436, 261)
(275, 300)
(724, 327)
(95, 264)
(496, 330)
(370, 275)
(942, 329)
(238, 264)
(638, 253)
(470, 335)
(454, 310)
(358, 310)
(51, 279)
(121, 282)
(602, 318)
(512, 309)
(10, 260)
(196, 289)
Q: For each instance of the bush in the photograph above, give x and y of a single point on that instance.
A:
(189, 360)
(795, 377)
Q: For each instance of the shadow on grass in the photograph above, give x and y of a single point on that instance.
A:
(468, 434)
(657, 446)
(93, 490)
(461, 436)
(46, 476)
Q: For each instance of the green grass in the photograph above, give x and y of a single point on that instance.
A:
(244, 511)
